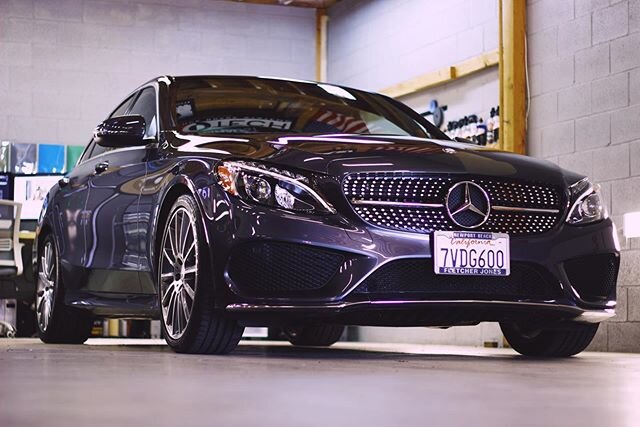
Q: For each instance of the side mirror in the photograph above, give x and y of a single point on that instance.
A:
(123, 131)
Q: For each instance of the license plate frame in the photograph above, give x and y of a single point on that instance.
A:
(470, 253)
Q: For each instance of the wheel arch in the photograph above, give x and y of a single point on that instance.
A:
(180, 186)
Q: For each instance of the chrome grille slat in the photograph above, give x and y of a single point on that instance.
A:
(415, 202)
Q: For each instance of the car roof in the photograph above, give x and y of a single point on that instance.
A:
(172, 78)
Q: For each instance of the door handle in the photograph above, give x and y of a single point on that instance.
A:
(101, 167)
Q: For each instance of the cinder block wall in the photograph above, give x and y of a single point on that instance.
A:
(374, 44)
(64, 64)
(584, 64)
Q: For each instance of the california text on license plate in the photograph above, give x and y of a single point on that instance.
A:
(471, 253)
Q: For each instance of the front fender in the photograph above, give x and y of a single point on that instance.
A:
(190, 176)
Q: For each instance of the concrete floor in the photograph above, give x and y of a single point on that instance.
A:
(276, 384)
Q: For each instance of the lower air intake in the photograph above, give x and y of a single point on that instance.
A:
(274, 268)
(593, 277)
(413, 277)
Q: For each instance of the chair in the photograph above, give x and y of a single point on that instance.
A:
(10, 246)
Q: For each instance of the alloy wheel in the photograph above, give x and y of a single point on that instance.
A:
(178, 272)
(46, 285)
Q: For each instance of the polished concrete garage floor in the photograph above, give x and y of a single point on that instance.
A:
(104, 384)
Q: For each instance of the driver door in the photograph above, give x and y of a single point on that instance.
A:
(113, 229)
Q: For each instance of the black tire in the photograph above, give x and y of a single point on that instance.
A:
(563, 341)
(56, 323)
(314, 335)
(207, 330)
(276, 334)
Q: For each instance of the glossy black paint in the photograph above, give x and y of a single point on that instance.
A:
(108, 217)
(121, 131)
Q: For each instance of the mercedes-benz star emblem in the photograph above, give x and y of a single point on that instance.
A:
(468, 204)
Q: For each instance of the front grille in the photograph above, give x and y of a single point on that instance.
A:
(507, 198)
(594, 276)
(416, 276)
(274, 268)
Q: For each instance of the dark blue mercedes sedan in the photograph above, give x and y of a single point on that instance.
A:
(215, 203)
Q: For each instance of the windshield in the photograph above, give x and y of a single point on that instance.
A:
(222, 105)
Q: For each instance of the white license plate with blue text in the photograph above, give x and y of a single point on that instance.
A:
(471, 253)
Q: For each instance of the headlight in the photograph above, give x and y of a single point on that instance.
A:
(586, 203)
(266, 185)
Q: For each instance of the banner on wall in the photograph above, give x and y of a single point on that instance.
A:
(51, 158)
(23, 158)
(5, 157)
(73, 154)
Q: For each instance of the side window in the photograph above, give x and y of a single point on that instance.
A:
(98, 149)
(87, 152)
(122, 108)
(95, 149)
(145, 106)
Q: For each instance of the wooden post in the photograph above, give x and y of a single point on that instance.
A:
(321, 44)
(513, 85)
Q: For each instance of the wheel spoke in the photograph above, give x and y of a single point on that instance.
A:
(50, 264)
(182, 232)
(171, 319)
(46, 281)
(191, 270)
(175, 234)
(167, 256)
(192, 247)
(176, 314)
(168, 293)
(185, 309)
(189, 290)
(171, 243)
(44, 261)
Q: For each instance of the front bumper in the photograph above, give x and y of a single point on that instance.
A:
(362, 250)
(440, 313)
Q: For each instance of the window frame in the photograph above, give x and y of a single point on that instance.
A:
(137, 96)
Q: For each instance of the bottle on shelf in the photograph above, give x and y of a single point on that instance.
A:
(473, 128)
(482, 132)
(490, 124)
(496, 126)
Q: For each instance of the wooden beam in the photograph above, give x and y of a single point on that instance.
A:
(321, 44)
(443, 75)
(316, 4)
(477, 63)
(513, 78)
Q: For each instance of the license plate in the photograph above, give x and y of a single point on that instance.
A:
(470, 253)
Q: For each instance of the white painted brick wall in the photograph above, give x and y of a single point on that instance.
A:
(375, 44)
(64, 64)
(587, 55)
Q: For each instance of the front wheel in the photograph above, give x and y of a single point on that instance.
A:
(563, 341)
(314, 335)
(57, 323)
(189, 320)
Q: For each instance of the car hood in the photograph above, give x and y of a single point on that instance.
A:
(338, 155)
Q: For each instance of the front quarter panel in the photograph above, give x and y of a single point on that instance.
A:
(169, 175)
